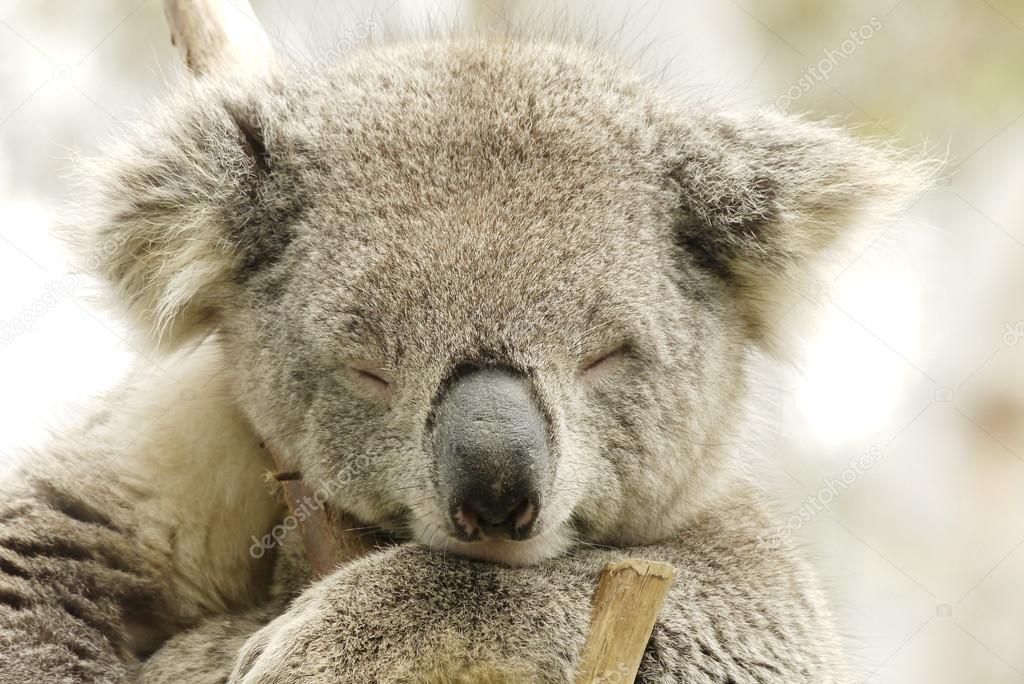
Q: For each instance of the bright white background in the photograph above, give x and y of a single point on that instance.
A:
(915, 370)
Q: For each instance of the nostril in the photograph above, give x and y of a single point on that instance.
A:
(467, 520)
(523, 515)
(485, 521)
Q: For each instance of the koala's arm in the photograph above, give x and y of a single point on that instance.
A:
(744, 609)
(127, 530)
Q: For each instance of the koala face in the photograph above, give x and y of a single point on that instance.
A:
(552, 266)
(495, 298)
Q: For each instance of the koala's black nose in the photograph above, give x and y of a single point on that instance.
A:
(490, 441)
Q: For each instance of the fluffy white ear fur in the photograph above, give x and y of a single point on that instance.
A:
(162, 209)
(168, 204)
(767, 196)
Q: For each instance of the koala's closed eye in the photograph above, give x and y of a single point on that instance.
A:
(369, 378)
(604, 360)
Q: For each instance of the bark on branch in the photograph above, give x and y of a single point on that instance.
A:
(626, 605)
(218, 35)
(329, 537)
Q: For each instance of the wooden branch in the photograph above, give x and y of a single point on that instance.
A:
(330, 538)
(218, 35)
(626, 605)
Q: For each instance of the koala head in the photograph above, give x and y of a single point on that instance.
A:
(495, 297)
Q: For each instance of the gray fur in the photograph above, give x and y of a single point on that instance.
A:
(408, 615)
(414, 208)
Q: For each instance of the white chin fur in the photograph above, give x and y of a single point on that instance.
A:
(548, 544)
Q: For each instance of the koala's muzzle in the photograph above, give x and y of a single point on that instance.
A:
(490, 442)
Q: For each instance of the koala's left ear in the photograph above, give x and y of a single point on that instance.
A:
(763, 197)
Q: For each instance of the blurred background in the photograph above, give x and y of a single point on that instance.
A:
(895, 442)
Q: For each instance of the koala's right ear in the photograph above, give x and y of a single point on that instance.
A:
(763, 197)
(179, 210)
(185, 204)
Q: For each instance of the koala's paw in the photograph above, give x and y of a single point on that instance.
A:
(408, 615)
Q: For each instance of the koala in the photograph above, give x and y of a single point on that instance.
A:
(494, 298)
